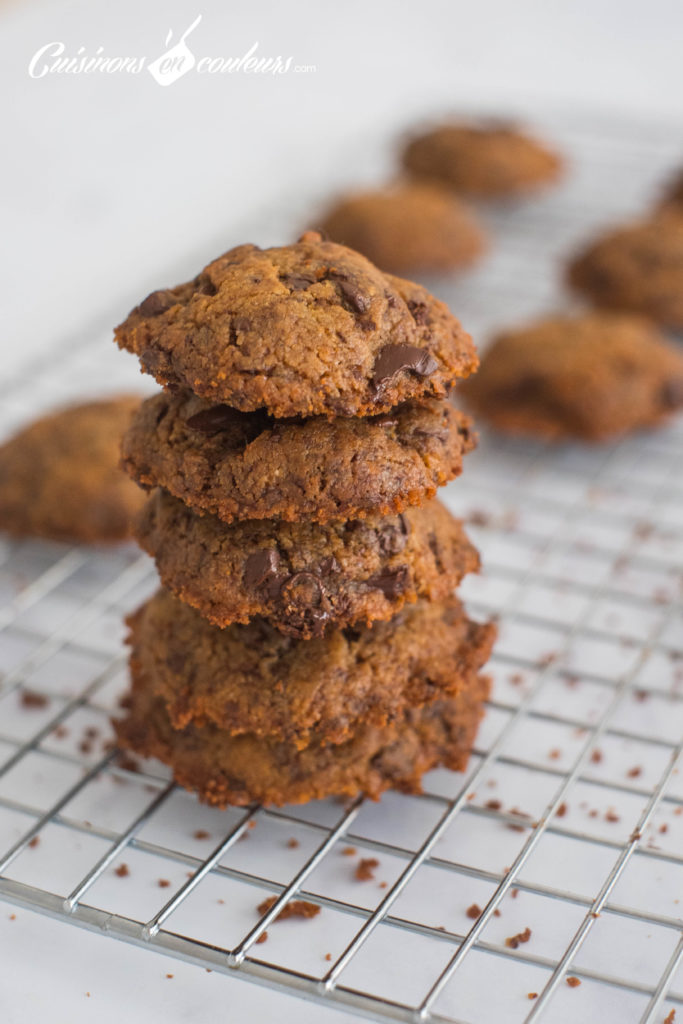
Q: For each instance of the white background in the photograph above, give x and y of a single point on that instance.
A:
(108, 181)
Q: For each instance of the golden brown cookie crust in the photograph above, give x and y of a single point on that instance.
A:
(60, 476)
(241, 770)
(636, 268)
(593, 376)
(407, 228)
(253, 679)
(301, 330)
(304, 577)
(249, 466)
(488, 160)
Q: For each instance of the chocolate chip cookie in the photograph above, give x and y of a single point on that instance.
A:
(301, 330)
(254, 679)
(594, 377)
(251, 466)
(407, 228)
(487, 159)
(637, 268)
(226, 769)
(60, 478)
(304, 577)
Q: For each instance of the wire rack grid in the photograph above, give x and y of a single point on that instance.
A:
(544, 883)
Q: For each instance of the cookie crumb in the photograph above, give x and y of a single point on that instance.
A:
(670, 1017)
(328, 957)
(573, 982)
(513, 941)
(295, 908)
(532, 995)
(30, 699)
(122, 871)
(263, 937)
(163, 883)
(473, 911)
(201, 833)
(596, 756)
(365, 870)
(349, 851)
(33, 842)
(634, 772)
(561, 810)
(292, 844)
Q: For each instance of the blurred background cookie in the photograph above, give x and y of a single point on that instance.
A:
(488, 159)
(637, 267)
(672, 197)
(592, 377)
(60, 476)
(406, 228)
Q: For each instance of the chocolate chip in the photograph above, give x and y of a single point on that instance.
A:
(211, 421)
(203, 285)
(419, 312)
(297, 282)
(306, 603)
(329, 565)
(158, 302)
(394, 358)
(350, 292)
(392, 582)
(392, 538)
(261, 567)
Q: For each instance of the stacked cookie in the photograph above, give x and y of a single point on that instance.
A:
(308, 640)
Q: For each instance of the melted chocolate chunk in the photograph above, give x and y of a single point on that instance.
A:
(297, 282)
(391, 582)
(350, 292)
(158, 302)
(392, 538)
(419, 312)
(211, 421)
(261, 567)
(394, 358)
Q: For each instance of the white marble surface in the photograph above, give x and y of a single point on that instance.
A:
(108, 180)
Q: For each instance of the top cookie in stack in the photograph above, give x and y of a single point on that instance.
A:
(302, 429)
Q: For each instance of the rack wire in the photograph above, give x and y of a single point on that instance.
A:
(542, 884)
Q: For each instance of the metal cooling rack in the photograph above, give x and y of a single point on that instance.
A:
(569, 820)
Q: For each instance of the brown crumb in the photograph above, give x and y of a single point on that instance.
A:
(596, 756)
(60, 732)
(365, 870)
(29, 699)
(663, 829)
(612, 816)
(169, 975)
(122, 871)
(292, 844)
(85, 747)
(514, 893)
(493, 805)
(561, 810)
(127, 763)
(532, 995)
(496, 912)
(555, 754)
(13, 917)
(516, 678)
(473, 911)
(295, 908)
(573, 982)
(34, 842)
(633, 773)
(670, 1017)
(201, 833)
(349, 851)
(88, 995)
(641, 695)
(382, 885)
(328, 957)
(513, 941)
(163, 883)
(263, 937)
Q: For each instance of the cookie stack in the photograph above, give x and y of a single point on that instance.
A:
(308, 640)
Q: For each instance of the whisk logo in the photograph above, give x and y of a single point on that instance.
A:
(177, 61)
(174, 63)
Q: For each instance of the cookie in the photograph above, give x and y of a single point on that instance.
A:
(305, 329)
(594, 376)
(250, 466)
(409, 227)
(489, 160)
(253, 679)
(636, 268)
(60, 478)
(240, 770)
(304, 577)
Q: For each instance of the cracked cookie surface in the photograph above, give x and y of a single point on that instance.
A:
(307, 329)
